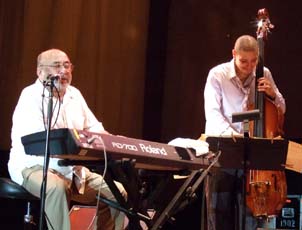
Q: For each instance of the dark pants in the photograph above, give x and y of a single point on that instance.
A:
(224, 201)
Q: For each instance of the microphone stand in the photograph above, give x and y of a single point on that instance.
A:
(47, 153)
(246, 154)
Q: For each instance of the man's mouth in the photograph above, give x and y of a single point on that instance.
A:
(63, 80)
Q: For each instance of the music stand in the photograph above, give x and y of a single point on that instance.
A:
(249, 153)
(264, 154)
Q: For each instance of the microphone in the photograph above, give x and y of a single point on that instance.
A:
(54, 77)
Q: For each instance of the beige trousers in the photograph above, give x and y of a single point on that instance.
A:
(60, 191)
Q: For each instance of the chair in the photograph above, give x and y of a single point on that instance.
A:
(19, 209)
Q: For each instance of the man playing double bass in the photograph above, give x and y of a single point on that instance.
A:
(231, 88)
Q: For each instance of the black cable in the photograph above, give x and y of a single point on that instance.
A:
(59, 99)
(48, 221)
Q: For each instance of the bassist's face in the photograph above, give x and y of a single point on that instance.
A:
(245, 63)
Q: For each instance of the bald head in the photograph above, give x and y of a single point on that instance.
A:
(50, 56)
(246, 43)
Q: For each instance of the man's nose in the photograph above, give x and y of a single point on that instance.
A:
(63, 70)
(251, 65)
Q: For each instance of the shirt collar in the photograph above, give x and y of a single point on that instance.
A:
(232, 72)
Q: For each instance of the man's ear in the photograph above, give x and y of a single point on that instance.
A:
(233, 53)
(39, 71)
(40, 74)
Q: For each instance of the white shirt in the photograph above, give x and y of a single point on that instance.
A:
(225, 94)
(28, 118)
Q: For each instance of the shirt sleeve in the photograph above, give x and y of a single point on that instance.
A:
(216, 122)
(27, 117)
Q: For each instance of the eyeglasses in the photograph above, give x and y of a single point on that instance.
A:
(58, 66)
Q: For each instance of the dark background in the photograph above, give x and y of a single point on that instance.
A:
(142, 64)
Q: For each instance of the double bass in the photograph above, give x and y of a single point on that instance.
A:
(266, 190)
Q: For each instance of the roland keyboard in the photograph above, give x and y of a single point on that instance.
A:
(84, 145)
